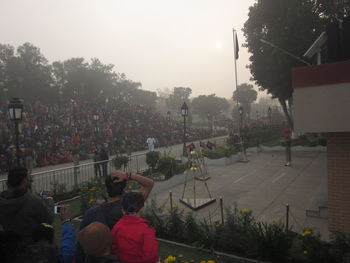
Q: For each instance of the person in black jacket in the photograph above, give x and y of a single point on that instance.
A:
(21, 211)
(104, 157)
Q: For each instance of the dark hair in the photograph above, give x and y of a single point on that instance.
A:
(114, 188)
(132, 202)
(16, 176)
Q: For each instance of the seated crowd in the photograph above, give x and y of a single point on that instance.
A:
(49, 133)
(113, 231)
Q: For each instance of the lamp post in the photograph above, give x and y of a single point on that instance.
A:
(168, 118)
(269, 112)
(15, 109)
(209, 126)
(96, 119)
(240, 110)
(184, 113)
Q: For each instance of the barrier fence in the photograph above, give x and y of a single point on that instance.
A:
(69, 178)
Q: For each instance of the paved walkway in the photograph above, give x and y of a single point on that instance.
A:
(263, 185)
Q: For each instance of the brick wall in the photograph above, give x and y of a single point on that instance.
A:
(338, 160)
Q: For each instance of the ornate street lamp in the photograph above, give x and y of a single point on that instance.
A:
(184, 113)
(15, 109)
(240, 110)
(168, 118)
(168, 114)
(96, 118)
(269, 112)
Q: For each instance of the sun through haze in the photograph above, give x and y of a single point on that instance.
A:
(161, 43)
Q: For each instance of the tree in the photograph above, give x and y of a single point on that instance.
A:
(212, 105)
(292, 25)
(332, 9)
(175, 100)
(26, 74)
(245, 95)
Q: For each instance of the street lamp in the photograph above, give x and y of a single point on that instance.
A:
(96, 118)
(168, 114)
(184, 113)
(168, 118)
(269, 112)
(15, 109)
(210, 124)
(240, 110)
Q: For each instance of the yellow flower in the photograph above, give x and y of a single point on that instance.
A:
(306, 233)
(170, 259)
(305, 252)
(91, 200)
(174, 207)
(246, 211)
(93, 188)
(210, 261)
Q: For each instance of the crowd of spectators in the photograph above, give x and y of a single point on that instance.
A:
(52, 133)
(111, 232)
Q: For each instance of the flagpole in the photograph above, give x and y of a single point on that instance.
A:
(243, 157)
(235, 50)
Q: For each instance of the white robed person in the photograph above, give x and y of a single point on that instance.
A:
(150, 143)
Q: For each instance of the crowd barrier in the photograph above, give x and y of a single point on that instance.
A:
(69, 178)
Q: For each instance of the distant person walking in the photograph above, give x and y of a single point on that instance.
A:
(150, 143)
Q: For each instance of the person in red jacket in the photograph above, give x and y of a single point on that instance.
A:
(133, 240)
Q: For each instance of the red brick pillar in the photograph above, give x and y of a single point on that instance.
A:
(338, 159)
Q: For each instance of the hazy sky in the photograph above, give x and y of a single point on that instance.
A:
(161, 43)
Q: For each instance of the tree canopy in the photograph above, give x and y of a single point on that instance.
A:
(290, 25)
(179, 95)
(25, 73)
(212, 105)
(245, 95)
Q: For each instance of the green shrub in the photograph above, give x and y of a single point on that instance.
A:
(153, 214)
(174, 224)
(220, 152)
(152, 159)
(341, 247)
(191, 229)
(120, 161)
(308, 247)
(270, 241)
(166, 165)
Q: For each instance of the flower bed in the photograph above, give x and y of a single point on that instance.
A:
(241, 234)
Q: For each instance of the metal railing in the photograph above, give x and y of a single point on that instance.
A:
(69, 178)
